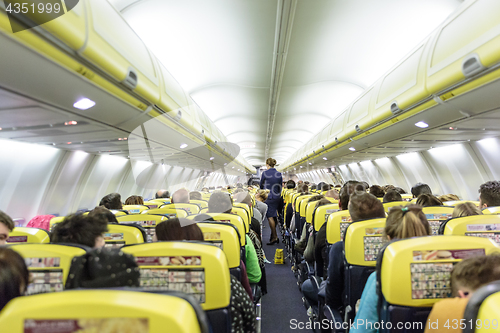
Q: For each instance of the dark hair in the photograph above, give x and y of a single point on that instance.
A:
(420, 188)
(193, 232)
(325, 187)
(220, 202)
(475, 272)
(79, 229)
(195, 195)
(426, 200)
(364, 206)
(111, 201)
(290, 184)
(489, 193)
(315, 198)
(406, 222)
(345, 193)
(162, 194)
(271, 162)
(14, 275)
(313, 186)
(392, 195)
(322, 202)
(5, 219)
(103, 213)
(134, 200)
(400, 190)
(377, 191)
(180, 196)
(178, 229)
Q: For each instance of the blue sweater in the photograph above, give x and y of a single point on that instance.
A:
(272, 180)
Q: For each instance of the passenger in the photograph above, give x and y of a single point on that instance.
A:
(448, 197)
(162, 194)
(103, 213)
(271, 180)
(362, 206)
(260, 198)
(420, 188)
(467, 276)
(205, 190)
(489, 194)
(6, 226)
(134, 200)
(221, 202)
(391, 196)
(245, 198)
(301, 244)
(402, 222)
(428, 200)
(195, 195)
(377, 191)
(79, 229)
(320, 249)
(332, 194)
(400, 190)
(14, 275)
(466, 209)
(242, 315)
(325, 187)
(112, 201)
(180, 196)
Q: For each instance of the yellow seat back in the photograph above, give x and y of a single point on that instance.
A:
(56, 220)
(389, 205)
(147, 221)
(301, 204)
(167, 212)
(153, 204)
(415, 272)
(48, 264)
(190, 208)
(407, 197)
(100, 311)
(204, 210)
(243, 213)
(206, 196)
(321, 214)
(363, 241)
(198, 269)
(491, 210)
(487, 226)
(245, 207)
(28, 235)
(336, 225)
(437, 215)
(228, 218)
(456, 202)
(482, 310)
(226, 238)
(201, 203)
(122, 234)
(135, 209)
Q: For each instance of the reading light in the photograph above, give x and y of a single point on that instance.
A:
(84, 104)
(325, 158)
(184, 145)
(212, 158)
(352, 149)
(422, 124)
(70, 123)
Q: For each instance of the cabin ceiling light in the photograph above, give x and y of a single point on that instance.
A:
(325, 158)
(352, 149)
(184, 145)
(84, 104)
(422, 124)
(212, 158)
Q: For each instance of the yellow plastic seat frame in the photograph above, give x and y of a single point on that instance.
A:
(487, 226)
(336, 226)
(228, 218)
(243, 213)
(321, 214)
(363, 240)
(147, 221)
(28, 235)
(456, 202)
(167, 212)
(201, 203)
(389, 205)
(135, 209)
(436, 215)
(491, 210)
(226, 238)
(122, 234)
(190, 208)
(482, 310)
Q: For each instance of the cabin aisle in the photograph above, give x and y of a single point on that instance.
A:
(283, 301)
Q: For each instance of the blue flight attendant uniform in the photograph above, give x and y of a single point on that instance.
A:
(272, 180)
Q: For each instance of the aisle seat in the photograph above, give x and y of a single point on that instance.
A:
(302, 205)
(28, 235)
(147, 221)
(198, 269)
(336, 226)
(201, 203)
(48, 264)
(119, 235)
(167, 212)
(190, 208)
(389, 205)
(103, 311)
(153, 203)
(134, 209)
(247, 208)
(413, 274)
(321, 214)
(228, 218)
(436, 215)
(204, 210)
(243, 213)
(206, 196)
(491, 210)
(482, 309)
(487, 226)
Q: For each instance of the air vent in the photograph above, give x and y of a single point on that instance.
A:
(336, 140)
(358, 129)
(178, 116)
(472, 65)
(395, 108)
(131, 79)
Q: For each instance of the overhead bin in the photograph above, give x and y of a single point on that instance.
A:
(359, 117)
(113, 46)
(403, 86)
(466, 44)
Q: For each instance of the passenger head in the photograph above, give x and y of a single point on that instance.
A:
(162, 194)
(243, 197)
(6, 226)
(391, 196)
(322, 202)
(79, 229)
(470, 274)
(205, 190)
(271, 162)
(192, 231)
(111, 201)
(315, 198)
(180, 196)
(365, 206)
(261, 195)
(489, 194)
(103, 268)
(325, 187)
(103, 213)
(195, 195)
(448, 197)
(400, 190)
(177, 229)
(305, 188)
(300, 182)
(346, 191)
(377, 191)
(406, 222)
(14, 275)
(290, 184)
(134, 200)
(427, 200)
(220, 202)
(466, 209)
(420, 188)
(332, 194)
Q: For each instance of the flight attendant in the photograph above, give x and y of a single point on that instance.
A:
(271, 180)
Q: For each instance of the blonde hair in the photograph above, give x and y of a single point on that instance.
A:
(448, 197)
(134, 200)
(271, 162)
(406, 222)
(466, 209)
(262, 194)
